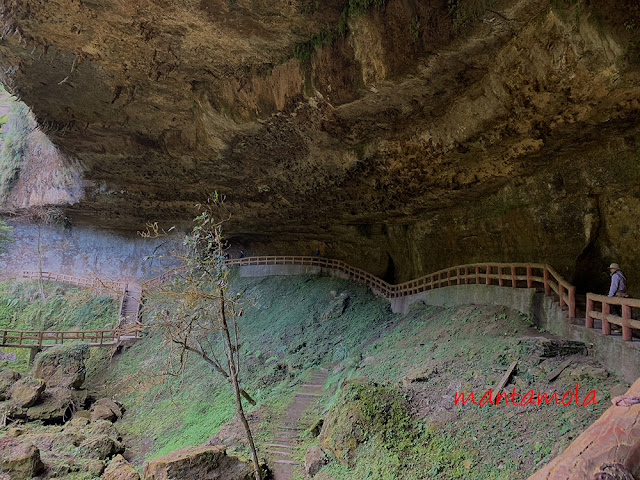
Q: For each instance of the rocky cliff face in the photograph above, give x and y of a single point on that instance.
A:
(401, 135)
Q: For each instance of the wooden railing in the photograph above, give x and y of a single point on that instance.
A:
(32, 339)
(515, 275)
(625, 321)
(96, 284)
(160, 279)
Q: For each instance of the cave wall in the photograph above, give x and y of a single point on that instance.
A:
(86, 252)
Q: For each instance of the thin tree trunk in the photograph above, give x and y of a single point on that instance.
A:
(40, 281)
(233, 374)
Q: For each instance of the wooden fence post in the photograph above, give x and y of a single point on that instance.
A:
(572, 302)
(514, 280)
(627, 334)
(458, 275)
(466, 275)
(529, 277)
(606, 326)
(561, 294)
(477, 275)
(488, 280)
(589, 319)
(547, 287)
(500, 282)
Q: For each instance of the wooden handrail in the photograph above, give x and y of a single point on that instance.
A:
(625, 320)
(506, 275)
(94, 283)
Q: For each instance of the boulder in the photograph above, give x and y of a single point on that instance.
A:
(115, 407)
(197, 463)
(120, 469)
(20, 460)
(78, 422)
(104, 427)
(102, 412)
(55, 406)
(7, 379)
(100, 447)
(62, 365)
(95, 467)
(314, 460)
(26, 391)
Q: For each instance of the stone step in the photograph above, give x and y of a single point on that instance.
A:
(276, 452)
(308, 394)
(288, 428)
(286, 462)
(312, 385)
(279, 445)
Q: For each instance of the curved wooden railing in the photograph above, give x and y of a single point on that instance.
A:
(48, 338)
(503, 274)
(515, 275)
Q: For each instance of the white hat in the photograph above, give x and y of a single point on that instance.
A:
(615, 265)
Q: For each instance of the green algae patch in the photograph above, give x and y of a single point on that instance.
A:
(370, 430)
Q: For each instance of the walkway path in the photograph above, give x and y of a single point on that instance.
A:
(284, 451)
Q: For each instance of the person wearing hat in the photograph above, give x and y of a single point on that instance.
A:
(618, 282)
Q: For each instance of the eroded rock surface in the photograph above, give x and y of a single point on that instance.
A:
(120, 469)
(314, 460)
(26, 391)
(21, 460)
(197, 463)
(614, 439)
(432, 137)
(62, 365)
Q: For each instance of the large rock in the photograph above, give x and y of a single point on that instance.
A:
(197, 463)
(63, 365)
(21, 460)
(7, 379)
(120, 469)
(607, 450)
(100, 447)
(56, 405)
(102, 412)
(106, 409)
(26, 391)
(314, 460)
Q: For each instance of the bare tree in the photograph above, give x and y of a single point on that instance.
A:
(204, 319)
